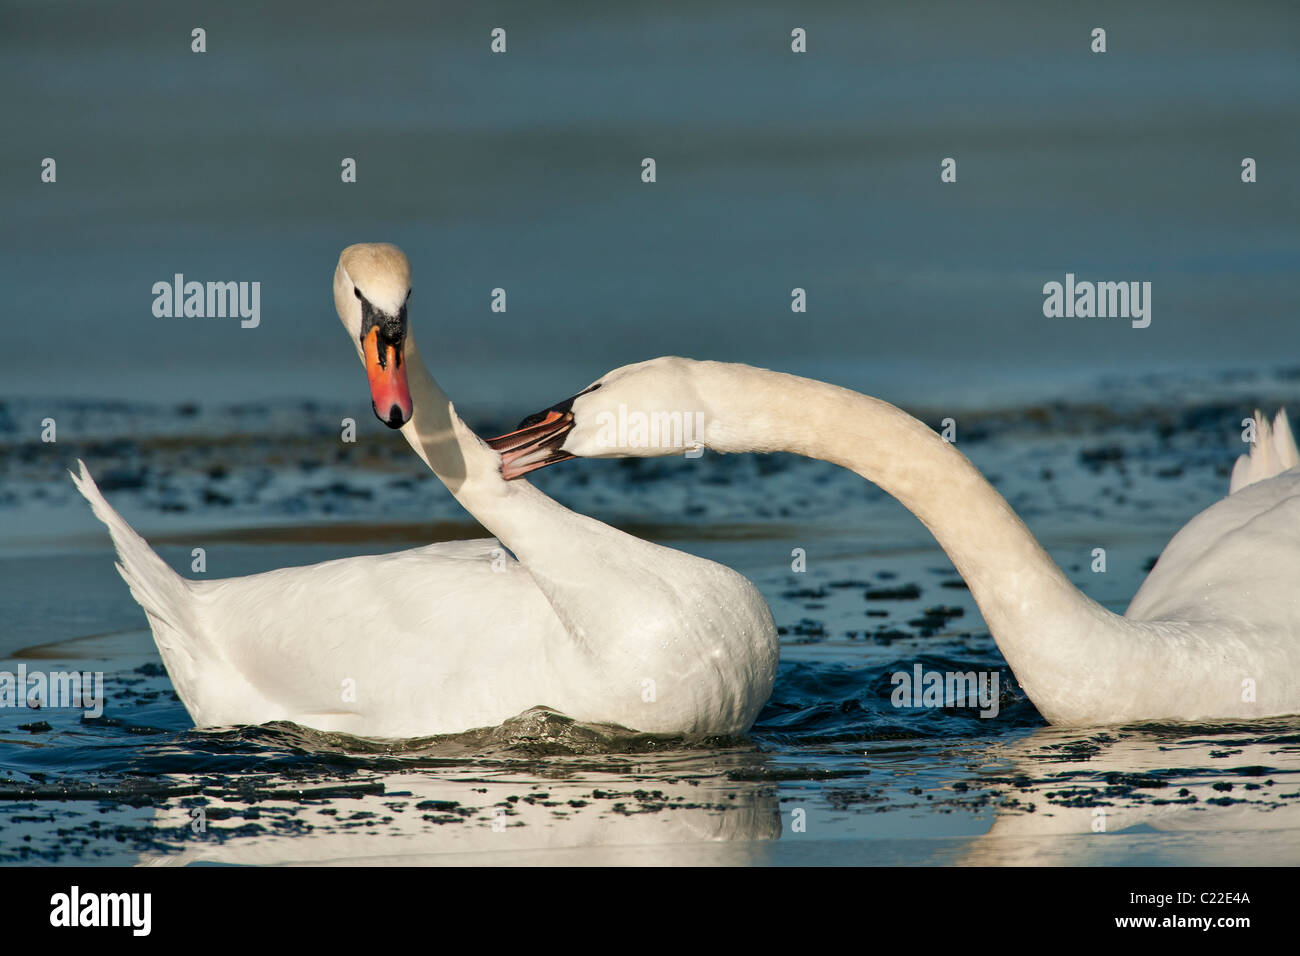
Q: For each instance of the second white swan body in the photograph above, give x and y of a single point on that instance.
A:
(595, 623)
(1214, 632)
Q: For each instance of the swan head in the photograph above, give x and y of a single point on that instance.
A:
(644, 410)
(371, 286)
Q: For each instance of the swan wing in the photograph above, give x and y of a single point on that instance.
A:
(429, 640)
(1237, 564)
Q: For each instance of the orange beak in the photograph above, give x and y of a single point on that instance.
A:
(389, 395)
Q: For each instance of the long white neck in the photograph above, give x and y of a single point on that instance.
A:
(569, 555)
(518, 514)
(1043, 624)
(436, 433)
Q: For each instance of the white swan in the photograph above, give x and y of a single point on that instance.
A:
(1213, 632)
(590, 621)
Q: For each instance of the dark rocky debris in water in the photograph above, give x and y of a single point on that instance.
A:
(907, 592)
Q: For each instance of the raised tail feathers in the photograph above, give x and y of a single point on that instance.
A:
(165, 596)
(1273, 452)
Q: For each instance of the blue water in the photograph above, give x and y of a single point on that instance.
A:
(835, 770)
(522, 171)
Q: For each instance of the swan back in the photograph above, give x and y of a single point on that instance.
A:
(1233, 564)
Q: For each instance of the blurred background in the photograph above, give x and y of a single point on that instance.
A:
(522, 171)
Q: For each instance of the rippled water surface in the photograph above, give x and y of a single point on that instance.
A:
(833, 772)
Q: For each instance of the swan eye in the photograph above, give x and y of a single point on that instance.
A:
(356, 292)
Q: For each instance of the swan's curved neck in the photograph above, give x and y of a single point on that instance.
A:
(436, 432)
(1039, 619)
(563, 551)
(468, 467)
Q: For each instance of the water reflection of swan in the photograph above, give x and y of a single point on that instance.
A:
(478, 797)
(468, 817)
(1135, 796)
